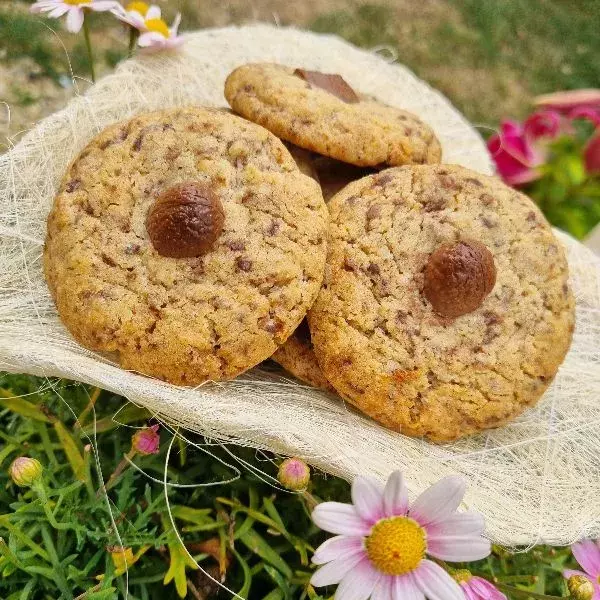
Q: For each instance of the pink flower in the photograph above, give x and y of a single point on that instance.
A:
(587, 554)
(544, 123)
(74, 9)
(514, 154)
(381, 543)
(566, 101)
(586, 112)
(146, 441)
(137, 13)
(591, 155)
(158, 36)
(477, 588)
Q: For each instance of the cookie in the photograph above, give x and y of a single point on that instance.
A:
(445, 307)
(334, 175)
(322, 113)
(186, 241)
(298, 358)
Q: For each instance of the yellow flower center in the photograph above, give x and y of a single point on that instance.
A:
(396, 546)
(140, 7)
(76, 2)
(462, 575)
(158, 25)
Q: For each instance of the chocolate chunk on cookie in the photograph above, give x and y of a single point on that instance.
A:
(323, 113)
(445, 308)
(188, 242)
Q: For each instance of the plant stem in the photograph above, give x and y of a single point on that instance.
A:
(84, 413)
(525, 594)
(116, 473)
(133, 36)
(88, 44)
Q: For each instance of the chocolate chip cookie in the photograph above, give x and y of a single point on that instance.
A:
(322, 113)
(445, 307)
(186, 241)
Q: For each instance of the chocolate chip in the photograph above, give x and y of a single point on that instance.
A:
(448, 182)
(475, 182)
(236, 245)
(373, 269)
(243, 264)
(273, 227)
(330, 82)
(73, 185)
(271, 325)
(185, 220)
(108, 260)
(374, 212)
(435, 204)
(487, 199)
(121, 137)
(531, 217)
(383, 178)
(350, 265)
(492, 318)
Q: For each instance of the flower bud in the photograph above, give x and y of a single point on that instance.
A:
(122, 557)
(580, 587)
(462, 575)
(294, 474)
(146, 441)
(24, 471)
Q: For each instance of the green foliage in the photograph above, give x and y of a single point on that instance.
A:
(68, 540)
(569, 197)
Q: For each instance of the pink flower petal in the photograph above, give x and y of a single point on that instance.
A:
(485, 589)
(74, 19)
(465, 523)
(334, 571)
(591, 155)
(339, 518)
(395, 496)
(439, 501)
(570, 573)
(367, 497)
(405, 588)
(359, 583)
(469, 592)
(383, 588)
(337, 547)
(570, 99)
(458, 548)
(435, 583)
(587, 554)
(153, 12)
(57, 12)
(151, 38)
(102, 5)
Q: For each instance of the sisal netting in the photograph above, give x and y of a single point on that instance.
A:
(536, 480)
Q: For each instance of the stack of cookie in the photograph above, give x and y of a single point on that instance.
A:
(192, 243)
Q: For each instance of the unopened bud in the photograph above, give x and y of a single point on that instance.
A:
(24, 471)
(146, 441)
(580, 587)
(294, 474)
(122, 557)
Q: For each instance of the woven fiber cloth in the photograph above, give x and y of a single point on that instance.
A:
(536, 480)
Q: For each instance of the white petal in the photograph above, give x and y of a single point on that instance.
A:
(439, 501)
(151, 38)
(465, 523)
(334, 571)
(337, 547)
(395, 495)
(102, 5)
(405, 588)
(458, 548)
(74, 19)
(383, 589)
(359, 583)
(175, 25)
(336, 517)
(57, 12)
(153, 12)
(367, 497)
(435, 583)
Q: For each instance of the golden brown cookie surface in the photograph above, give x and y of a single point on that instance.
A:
(439, 370)
(252, 225)
(319, 113)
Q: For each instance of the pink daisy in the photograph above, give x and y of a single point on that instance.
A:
(381, 543)
(74, 9)
(587, 554)
(477, 588)
(158, 36)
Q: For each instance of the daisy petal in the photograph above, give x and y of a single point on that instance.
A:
(383, 588)
(435, 583)
(405, 588)
(100, 5)
(395, 496)
(74, 19)
(151, 38)
(334, 571)
(466, 523)
(57, 12)
(570, 573)
(336, 547)
(153, 12)
(587, 554)
(359, 583)
(439, 501)
(468, 592)
(457, 548)
(175, 25)
(485, 589)
(367, 497)
(339, 518)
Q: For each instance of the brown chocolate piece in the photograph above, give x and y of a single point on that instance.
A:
(458, 277)
(330, 82)
(185, 220)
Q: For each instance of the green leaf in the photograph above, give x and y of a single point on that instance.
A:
(199, 516)
(21, 406)
(127, 415)
(281, 581)
(179, 559)
(71, 449)
(275, 594)
(107, 594)
(245, 589)
(257, 544)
